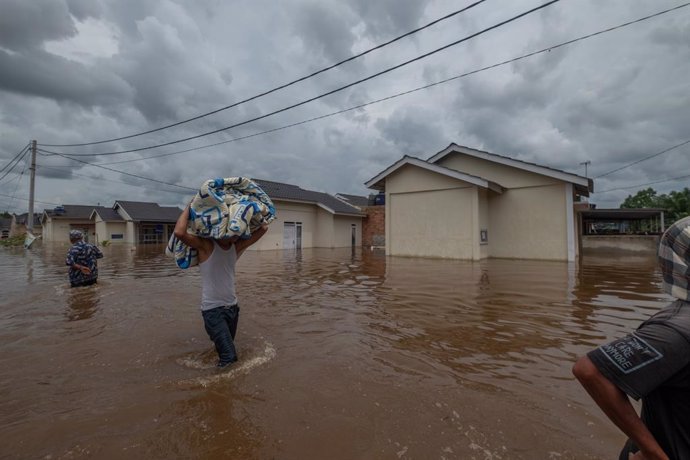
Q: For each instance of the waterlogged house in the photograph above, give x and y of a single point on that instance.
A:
(305, 219)
(133, 222)
(309, 219)
(59, 221)
(465, 203)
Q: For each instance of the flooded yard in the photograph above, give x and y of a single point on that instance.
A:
(343, 355)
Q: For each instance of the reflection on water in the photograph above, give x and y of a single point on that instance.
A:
(343, 354)
(82, 302)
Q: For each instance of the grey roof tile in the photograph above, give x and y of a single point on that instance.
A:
(279, 190)
(150, 212)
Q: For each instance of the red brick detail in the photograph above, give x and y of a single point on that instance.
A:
(374, 226)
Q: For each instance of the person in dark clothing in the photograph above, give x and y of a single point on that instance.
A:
(653, 364)
(219, 308)
(81, 259)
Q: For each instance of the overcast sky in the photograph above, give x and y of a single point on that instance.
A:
(74, 71)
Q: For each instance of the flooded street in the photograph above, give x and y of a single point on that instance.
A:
(343, 355)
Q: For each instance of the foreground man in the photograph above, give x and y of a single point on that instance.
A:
(219, 308)
(651, 363)
(81, 258)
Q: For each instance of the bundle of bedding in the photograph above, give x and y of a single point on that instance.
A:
(223, 208)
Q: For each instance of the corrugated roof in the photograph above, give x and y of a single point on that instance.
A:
(145, 211)
(279, 190)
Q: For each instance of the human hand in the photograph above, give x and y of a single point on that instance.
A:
(85, 270)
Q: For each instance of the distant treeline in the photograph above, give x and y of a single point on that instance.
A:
(676, 204)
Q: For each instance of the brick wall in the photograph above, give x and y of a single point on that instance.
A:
(374, 226)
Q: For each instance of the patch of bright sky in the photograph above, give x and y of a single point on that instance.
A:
(94, 39)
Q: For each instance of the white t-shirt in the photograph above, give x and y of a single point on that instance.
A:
(218, 278)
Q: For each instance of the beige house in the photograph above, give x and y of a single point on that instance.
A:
(465, 203)
(133, 222)
(305, 219)
(58, 222)
(309, 219)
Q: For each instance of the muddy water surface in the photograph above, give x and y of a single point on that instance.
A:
(343, 355)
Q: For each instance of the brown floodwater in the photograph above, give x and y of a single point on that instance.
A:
(343, 355)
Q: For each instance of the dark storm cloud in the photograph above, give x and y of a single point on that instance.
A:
(27, 24)
(610, 100)
(409, 131)
(326, 29)
(38, 73)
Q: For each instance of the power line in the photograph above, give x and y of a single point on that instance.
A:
(7, 168)
(404, 93)
(644, 159)
(126, 173)
(16, 187)
(26, 199)
(645, 184)
(82, 175)
(235, 104)
(390, 69)
(21, 152)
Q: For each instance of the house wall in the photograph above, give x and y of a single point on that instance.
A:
(58, 229)
(529, 223)
(320, 228)
(343, 231)
(374, 226)
(506, 176)
(483, 211)
(325, 229)
(431, 215)
(289, 212)
(105, 230)
(131, 233)
(541, 208)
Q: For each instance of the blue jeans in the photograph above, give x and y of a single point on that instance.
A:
(221, 326)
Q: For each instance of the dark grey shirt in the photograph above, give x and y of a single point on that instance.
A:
(653, 363)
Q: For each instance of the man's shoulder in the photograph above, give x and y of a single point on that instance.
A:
(675, 315)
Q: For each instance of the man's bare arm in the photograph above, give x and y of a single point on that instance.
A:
(617, 407)
(241, 245)
(181, 233)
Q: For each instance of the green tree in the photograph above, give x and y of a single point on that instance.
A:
(5, 214)
(646, 198)
(676, 204)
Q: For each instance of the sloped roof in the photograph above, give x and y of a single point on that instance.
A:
(146, 211)
(72, 211)
(354, 200)
(107, 214)
(584, 185)
(378, 181)
(21, 218)
(282, 191)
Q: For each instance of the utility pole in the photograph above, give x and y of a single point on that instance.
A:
(583, 163)
(30, 215)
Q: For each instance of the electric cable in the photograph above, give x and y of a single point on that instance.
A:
(644, 159)
(328, 93)
(430, 85)
(313, 74)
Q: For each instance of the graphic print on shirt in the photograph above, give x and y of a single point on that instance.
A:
(630, 353)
